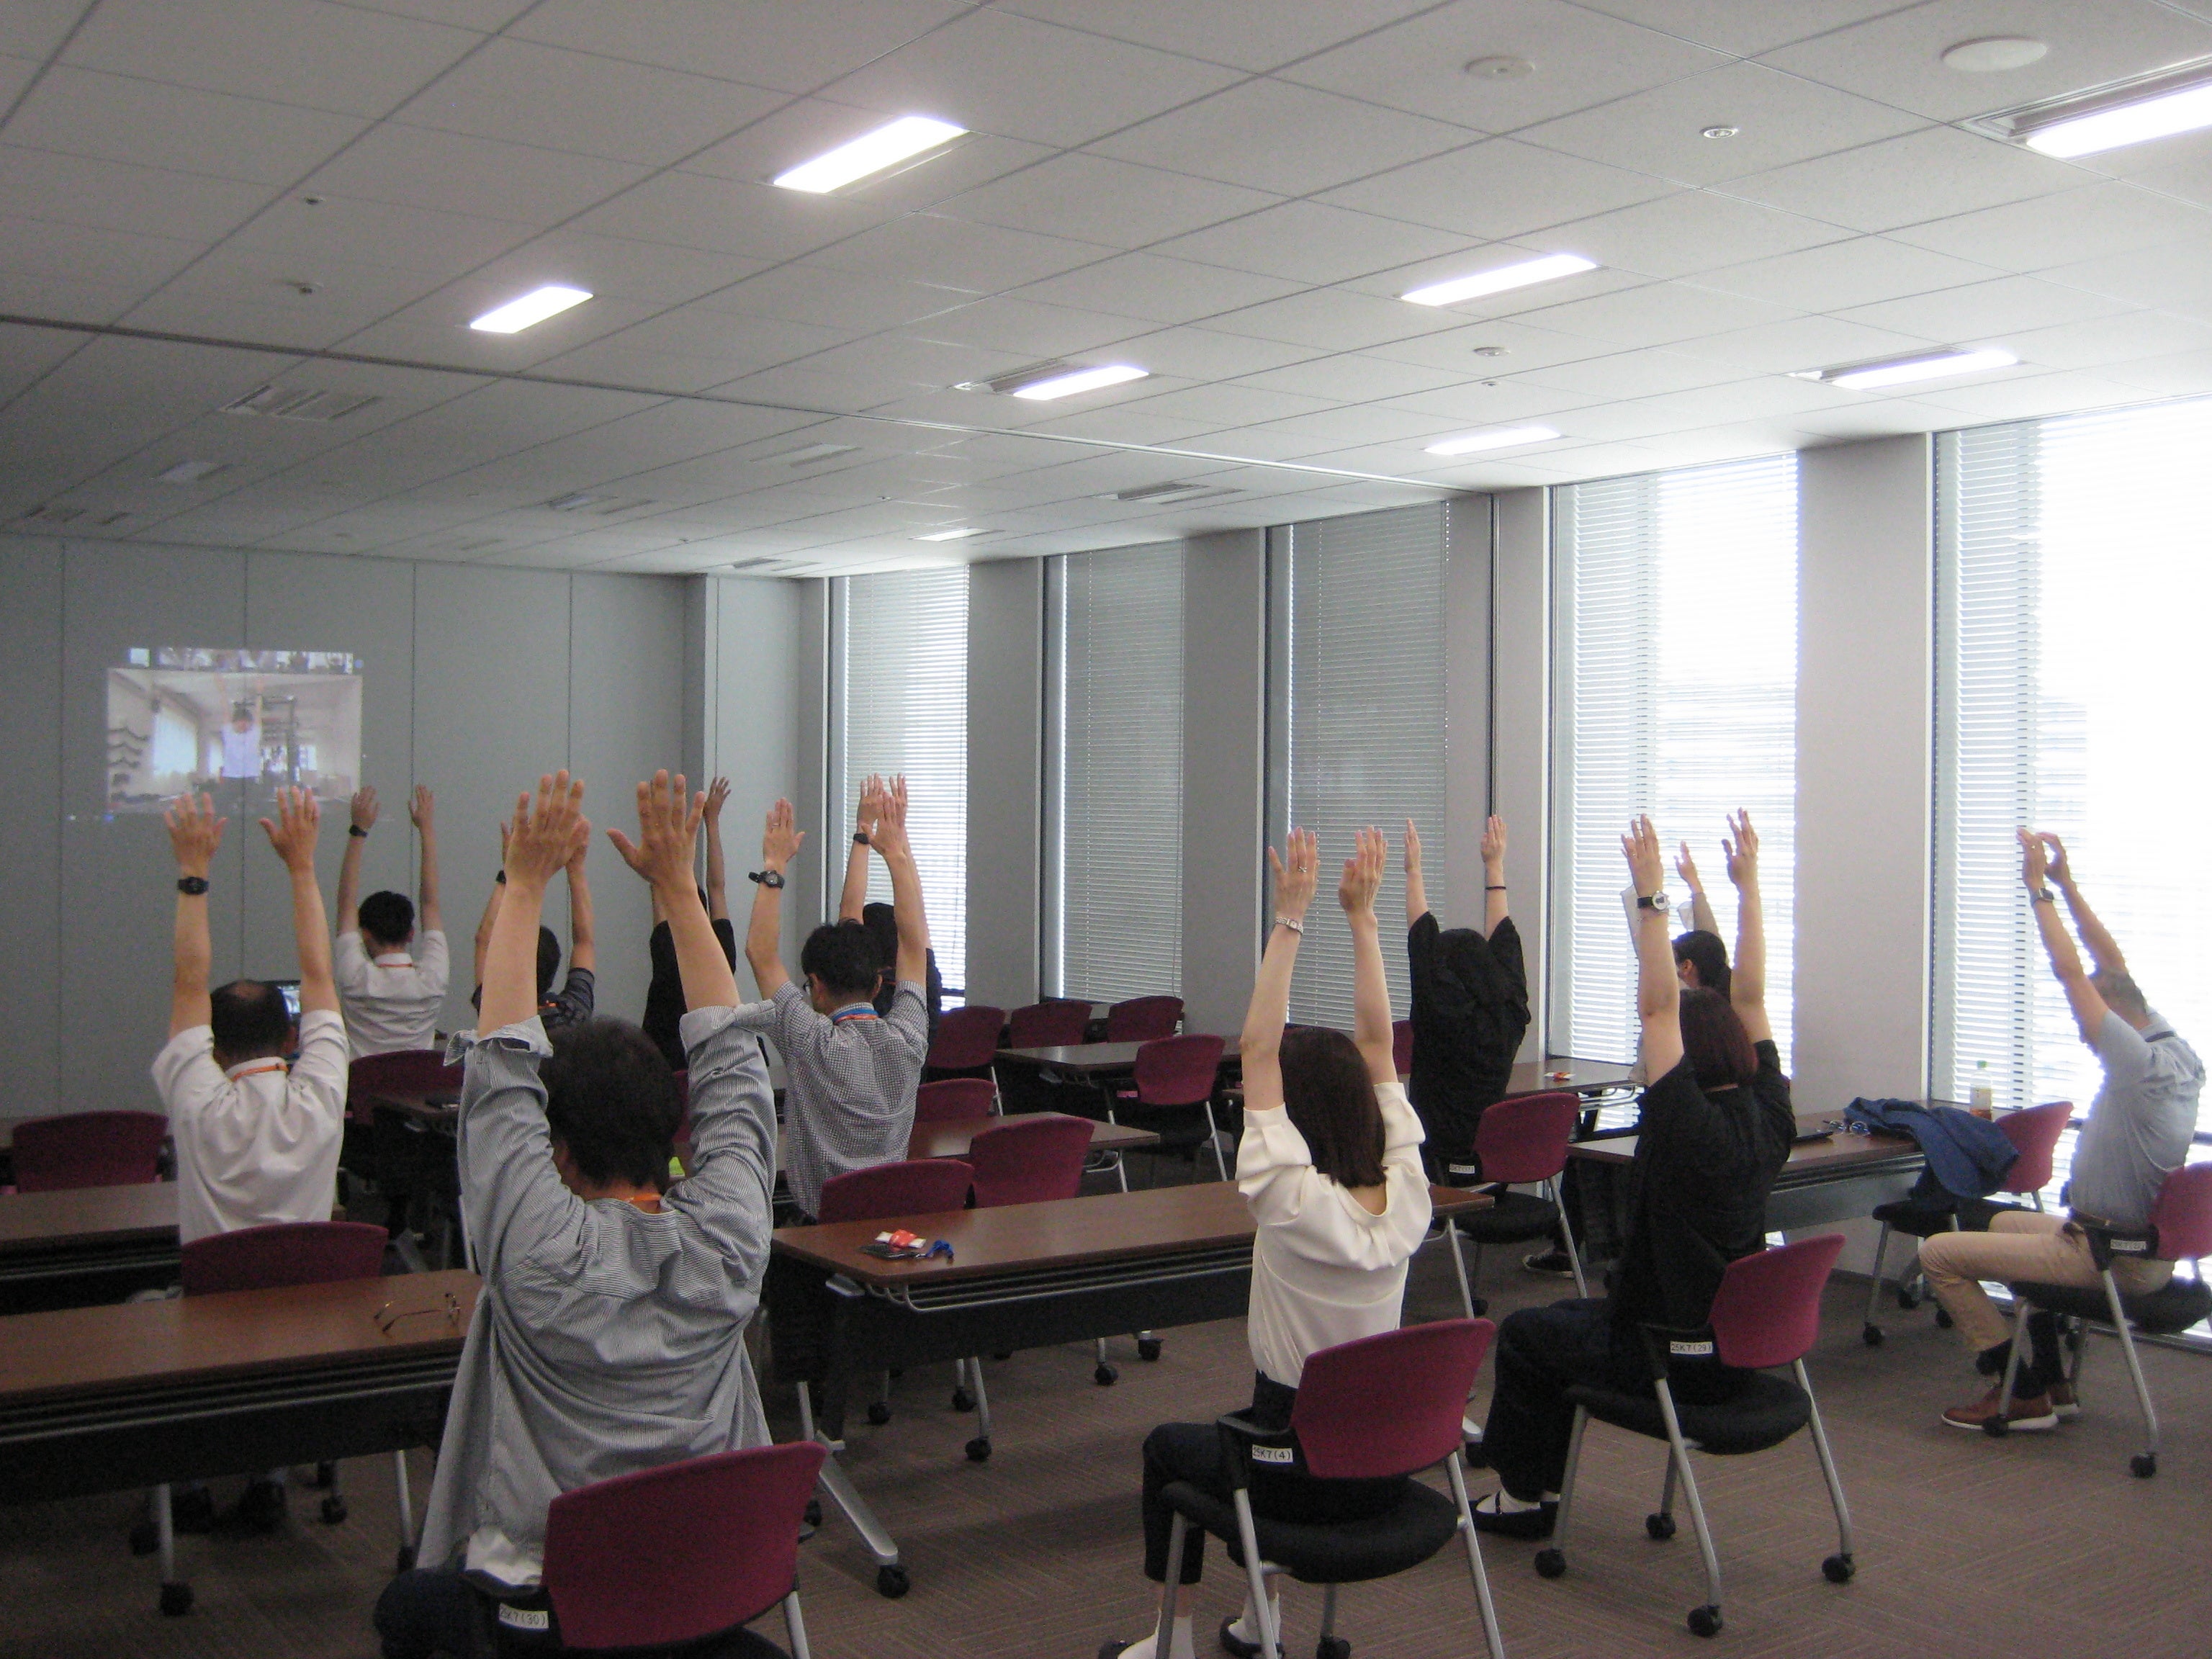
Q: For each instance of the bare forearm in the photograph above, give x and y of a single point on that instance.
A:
(2104, 950)
(1271, 996)
(583, 931)
(510, 980)
(319, 991)
(350, 885)
(718, 892)
(1701, 912)
(1370, 994)
(2057, 943)
(1658, 992)
(1494, 896)
(427, 891)
(707, 981)
(907, 911)
(1747, 974)
(188, 1002)
(484, 927)
(854, 898)
(764, 936)
(1417, 895)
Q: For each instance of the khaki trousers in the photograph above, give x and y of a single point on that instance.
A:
(2021, 1246)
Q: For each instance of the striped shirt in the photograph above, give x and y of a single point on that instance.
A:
(849, 1083)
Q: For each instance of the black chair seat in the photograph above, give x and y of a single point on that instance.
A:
(1515, 1218)
(2175, 1306)
(1904, 1215)
(1419, 1524)
(1768, 1411)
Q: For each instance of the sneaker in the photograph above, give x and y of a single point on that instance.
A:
(2064, 1402)
(1533, 1524)
(2032, 1413)
(1556, 1262)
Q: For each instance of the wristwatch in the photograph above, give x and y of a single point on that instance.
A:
(1657, 901)
(192, 886)
(354, 829)
(2044, 897)
(766, 877)
(862, 836)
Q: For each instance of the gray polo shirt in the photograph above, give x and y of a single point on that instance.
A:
(2138, 1130)
(848, 1082)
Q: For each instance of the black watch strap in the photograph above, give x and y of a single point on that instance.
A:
(193, 886)
(356, 831)
(862, 836)
(766, 877)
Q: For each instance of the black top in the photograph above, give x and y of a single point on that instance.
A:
(664, 998)
(1697, 1191)
(933, 994)
(1470, 1011)
(570, 1005)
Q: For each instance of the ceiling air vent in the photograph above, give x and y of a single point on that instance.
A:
(54, 512)
(813, 453)
(299, 402)
(597, 507)
(1172, 492)
(1014, 380)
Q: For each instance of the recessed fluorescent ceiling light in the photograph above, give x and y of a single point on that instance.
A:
(530, 309)
(813, 452)
(959, 535)
(1900, 371)
(1503, 437)
(871, 152)
(185, 472)
(1545, 270)
(1081, 380)
(2183, 109)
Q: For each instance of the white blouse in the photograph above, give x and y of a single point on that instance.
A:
(1324, 1269)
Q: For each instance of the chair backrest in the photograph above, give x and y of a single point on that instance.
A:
(1047, 1025)
(1401, 1045)
(920, 1186)
(679, 1552)
(1142, 1019)
(2034, 1135)
(966, 1038)
(404, 1072)
(1525, 1138)
(88, 1149)
(1388, 1404)
(2183, 1214)
(1029, 1160)
(1178, 1071)
(283, 1253)
(956, 1097)
(1768, 1308)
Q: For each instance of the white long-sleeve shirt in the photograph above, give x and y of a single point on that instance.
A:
(1324, 1269)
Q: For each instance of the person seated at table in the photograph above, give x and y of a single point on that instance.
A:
(1715, 1130)
(609, 1334)
(391, 982)
(1330, 1165)
(850, 1073)
(663, 995)
(1700, 954)
(1470, 1009)
(572, 1003)
(2137, 1134)
(881, 919)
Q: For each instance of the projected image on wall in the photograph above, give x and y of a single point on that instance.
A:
(236, 724)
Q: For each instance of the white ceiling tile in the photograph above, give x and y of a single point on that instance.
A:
(1099, 199)
(77, 190)
(764, 43)
(2177, 277)
(126, 119)
(900, 361)
(1125, 423)
(1499, 188)
(1006, 324)
(1859, 271)
(1228, 405)
(1525, 345)
(15, 74)
(1333, 319)
(1745, 26)
(2180, 165)
(1733, 401)
(486, 16)
(621, 268)
(316, 241)
(81, 272)
(827, 298)
(1927, 174)
(529, 93)
(737, 343)
(1310, 242)
(1492, 403)
(1780, 119)
(2055, 230)
(805, 385)
(995, 72)
(1207, 354)
(459, 172)
(2107, 343)
(1250, 37)
(724, 216)
(2023, 397)
(1582, 58)
(2180, 375)
(1272, 135)
(1984, 310)
(435, 329)
(1356, 377)
(1898, 58)
(267, 312)
(33, 28)
(1660, 314)
(1800, 343)
(1690, 231)
(1877, 417)
(309, 52)
(1644, 374)
(1143, 285)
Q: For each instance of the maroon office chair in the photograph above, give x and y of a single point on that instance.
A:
(2179, 1229)
(1520, 1142)
(921, 1185)
(967, 1040)
(956, 1097)
(1176, 1072)
(1144, 1019)
(1767, 1315)
(1026, 1160)
(88, 1149)
(2034, 1135)
(1382, 1408)
(274, 1257)
(683, 1553)
(1401, 1046)
(404, 1072)
(1047, 1025)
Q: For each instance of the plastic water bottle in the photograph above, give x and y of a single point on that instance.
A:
(1982, 1098)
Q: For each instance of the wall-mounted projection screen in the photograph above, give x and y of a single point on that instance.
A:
(237, 725)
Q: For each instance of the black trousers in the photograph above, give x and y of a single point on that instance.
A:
(437, 1611)
(1193, 1452)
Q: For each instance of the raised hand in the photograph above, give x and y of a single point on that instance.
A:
(1740, 848)
(1363, 873)
(298, 821)
(194, 832)
(1493, 842)
(780, 840)
(1412, 849)
(717, 793)
(890, 836)
(2055, 857)
(668, 830)
(1295, 878)
(1686, 867)
(546, 834)
(2034, 861)
(872, 806)
(419, 806)
(364, 807)
(1647, 865)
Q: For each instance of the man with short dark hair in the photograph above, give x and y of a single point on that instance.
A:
(572, 1003)
(850, 1073)
(2137, 1134)
(391, 983)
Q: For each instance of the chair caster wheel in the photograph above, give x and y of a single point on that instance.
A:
(1148, 1348)
(892, 1582)
(1871, 1335)
(1659, 1527)
(1996, 1428)
(979, 1450)
(326, 1475)
(176, 1600)
(1479, 1306)
(1331, 1647)
(1838, 1569)
(1907, 1298)
(813, 1511)
(2143, 1465)
(879, 1413)
(963, 1401)
(145, 1538)
(1551, 1564)
(333, 1510)
(1943, 1318)
(1105, 1377)
(1705, 1621)
(1001, 1359)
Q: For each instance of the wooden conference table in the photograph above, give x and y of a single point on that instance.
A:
(86, 1244)
(1021, 1276)
(1839, 1179)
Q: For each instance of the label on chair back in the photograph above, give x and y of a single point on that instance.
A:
(2130, 1246)
(526, 1618)
(1694, 1350)
(1273, 1454)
